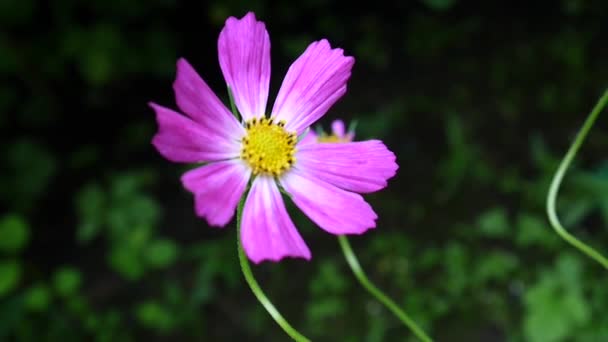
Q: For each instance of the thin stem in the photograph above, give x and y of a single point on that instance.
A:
(559, 175)
(360, 275)
(253, 284)
(232, 105)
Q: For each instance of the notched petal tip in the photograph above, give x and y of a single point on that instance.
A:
(267, 232)
(335, 210)
(244, 56)
(361, 166)
(324, 44)
(248, 18)
(313, 83)
(258, 260)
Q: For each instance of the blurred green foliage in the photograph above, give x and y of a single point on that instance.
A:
(99, 242)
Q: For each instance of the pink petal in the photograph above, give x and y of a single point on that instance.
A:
(267, 231)
(244, 53)
(333, 209)
(362, 166)
(337, 128)
(195, 98)
(314, 82)
(217, 189)
(180, 139)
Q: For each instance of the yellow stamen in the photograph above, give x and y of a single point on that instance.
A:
(267, 147)
(331, 139)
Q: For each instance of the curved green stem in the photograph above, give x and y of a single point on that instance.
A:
(559, 175)
(360, 275)
(253, 284)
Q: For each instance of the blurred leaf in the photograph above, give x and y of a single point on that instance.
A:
(77, 305)
(133, 211)
(533, 230)
(154, 316)
(31, 167)
(14, 233)
(456, 266)
(556, 306)
(327, 290)
(99, 49)
(161, 253)
(329, 279)
(495, 266)
(462, 157)
(494, 223)
(67, 281)
(10, 273)
(324, 308)
(127, 262)
(37, 298)
(91, 208)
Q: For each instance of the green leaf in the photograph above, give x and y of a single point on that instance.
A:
(557, 301)
(153, 315)
(91, 208)
(161, 253)
(534, 230)
(328, 280)
(127, 262)
(37, 298)
(10, 273)
(14, 233)
(67, 281)
(30, 167)
(495, 266)
(494, 223)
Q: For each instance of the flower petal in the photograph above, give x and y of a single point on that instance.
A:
(314, 82)
(244, 53)
(217, 189)
(362, 166)
(337, 128)
(180, 139)
(195, 98)
(335, 210)
(267, 232)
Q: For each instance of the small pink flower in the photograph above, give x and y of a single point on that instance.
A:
(338, 134)
(323, 180)
(338, 129)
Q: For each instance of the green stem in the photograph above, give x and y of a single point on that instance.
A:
(559, 175)
(360, 275)
(253, 284)
(232, 105)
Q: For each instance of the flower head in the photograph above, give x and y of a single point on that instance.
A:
(262, 152)
(338, 134)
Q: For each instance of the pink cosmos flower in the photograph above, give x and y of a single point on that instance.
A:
(262, 153)
(338, 134)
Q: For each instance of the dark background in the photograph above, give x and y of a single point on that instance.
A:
(479, 100)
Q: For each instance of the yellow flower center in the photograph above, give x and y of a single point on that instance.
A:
(267, 147)
(331, 139)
